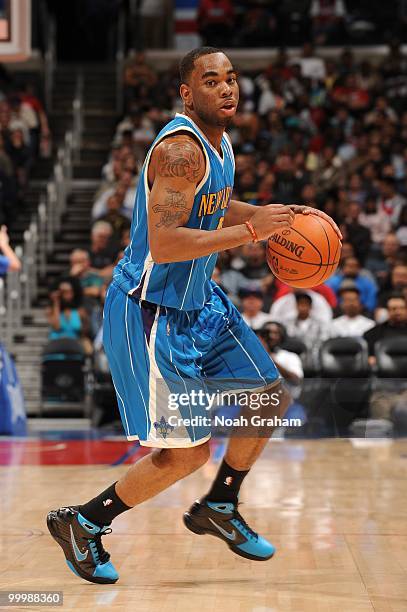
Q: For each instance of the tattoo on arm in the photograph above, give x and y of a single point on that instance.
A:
(180, 159)
(173, 209)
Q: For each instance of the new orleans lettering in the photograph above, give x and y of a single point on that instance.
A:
(297, 249)
(212, 202)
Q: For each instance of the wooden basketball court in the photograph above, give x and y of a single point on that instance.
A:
(335, 509)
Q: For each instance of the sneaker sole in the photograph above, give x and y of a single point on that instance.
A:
(192, 526)
(69, 557)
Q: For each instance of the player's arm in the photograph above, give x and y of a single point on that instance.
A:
(239, 212)
(177, 166)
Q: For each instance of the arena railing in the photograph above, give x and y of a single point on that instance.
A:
(78, 121)
(19, 290)
(49, 61)
(120, 57)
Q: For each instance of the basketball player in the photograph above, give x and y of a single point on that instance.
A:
(168, 327)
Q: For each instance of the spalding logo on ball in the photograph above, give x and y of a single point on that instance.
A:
(306, 254)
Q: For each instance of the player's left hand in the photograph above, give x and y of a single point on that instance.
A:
(308, 210)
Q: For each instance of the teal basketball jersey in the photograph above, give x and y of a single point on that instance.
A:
(185, 285)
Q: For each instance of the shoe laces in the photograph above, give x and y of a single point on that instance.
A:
(246, 528)
(96, 546)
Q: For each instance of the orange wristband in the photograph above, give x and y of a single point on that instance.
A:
(252, 231)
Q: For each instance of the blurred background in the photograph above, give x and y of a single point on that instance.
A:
(84, 88)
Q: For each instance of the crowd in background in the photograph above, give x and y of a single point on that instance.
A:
(265, 23)
(331, 134)
(24, 136)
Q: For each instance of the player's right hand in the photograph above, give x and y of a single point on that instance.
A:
(271, 218)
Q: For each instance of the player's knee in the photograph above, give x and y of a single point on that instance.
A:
(182, 460)
(279, 400)
(191, 459)
(200, 455)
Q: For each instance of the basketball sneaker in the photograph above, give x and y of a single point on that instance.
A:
(80, 539)
(225, 522)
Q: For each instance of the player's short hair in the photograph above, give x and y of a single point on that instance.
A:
(187, 64)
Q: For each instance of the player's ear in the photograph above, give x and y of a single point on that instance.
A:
(186, 95)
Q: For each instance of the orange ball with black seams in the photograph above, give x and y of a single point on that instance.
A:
(306, 254)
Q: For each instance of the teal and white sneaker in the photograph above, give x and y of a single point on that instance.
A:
(80, 539)
(221, 519)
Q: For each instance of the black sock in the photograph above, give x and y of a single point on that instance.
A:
(226, 486)
(102, 509)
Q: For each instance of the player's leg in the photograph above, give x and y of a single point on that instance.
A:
(78, 529)
(245, 445)
(240, 360)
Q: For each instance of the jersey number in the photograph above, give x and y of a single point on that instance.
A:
(220, 224)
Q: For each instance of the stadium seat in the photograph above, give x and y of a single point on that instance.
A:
(341, 397)
(63, 371)
(296, 345)
(104, 400)
(391, 358)
(344, 357)
(390, 385)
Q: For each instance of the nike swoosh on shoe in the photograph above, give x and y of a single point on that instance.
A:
(229, 535)
(78, 554)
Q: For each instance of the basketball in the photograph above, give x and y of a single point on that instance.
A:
(306, 254)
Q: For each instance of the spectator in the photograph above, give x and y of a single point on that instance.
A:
(382, 262)
(351, 269)
(9, 262)
(305, 325)
(375, 220)
(288, 363)
(358, 234)
(312, 66)
(255, 264)
(115, 218)
(328, 18)
(40, 134)
(286, 187)
(112, 170)
(80, 268)
(102, 251)
(139, 79)
(153, 17)
(352, 322)
(356, 192)
(251, 305)
(215, 21)
(6, 165)
(66, 316)
(394, 327)
(401, 232)
(397, 285)
(259, 26)
(285, 308)
(139, 128)
(231, 280)
(390, 201)
(125, 191)
(20, 156)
